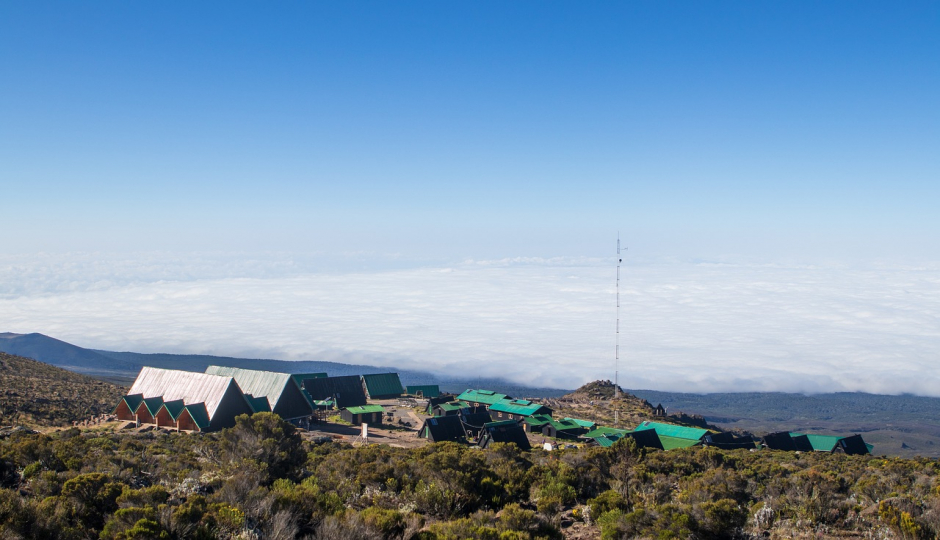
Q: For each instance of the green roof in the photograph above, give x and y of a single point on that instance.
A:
(427, 390)
(671, 443)
(603, 431)
(153, 404)
(607, 440)
(487, 397)
(366, 409)
(538, 420)
(452, 405)
(565, 425)
(133, 401)
(383, 384)
(174, 408)
(199, 414)
(669, 430)
(820, 443)
(522, 407)
(583, 423)
(258, 404)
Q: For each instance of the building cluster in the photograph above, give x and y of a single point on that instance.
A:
(210, 401)
(483, 416)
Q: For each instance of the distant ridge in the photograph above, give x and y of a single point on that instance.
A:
(123, 367)
(64, 355)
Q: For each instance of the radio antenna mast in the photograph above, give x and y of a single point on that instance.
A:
(617, 344)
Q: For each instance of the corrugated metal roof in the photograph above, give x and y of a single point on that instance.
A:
(383, 384)
(427, 390)
(670, 430)
(191, 387)
(526, 408)
(366, 409)
(607, 440)
(259, 384)
(481, 396)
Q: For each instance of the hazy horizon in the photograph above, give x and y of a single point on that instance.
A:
(432, 184)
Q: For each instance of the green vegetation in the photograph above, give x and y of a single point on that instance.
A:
(36, 394)
(260, 479)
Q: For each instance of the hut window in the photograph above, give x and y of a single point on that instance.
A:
(499, 414)
(510, 417)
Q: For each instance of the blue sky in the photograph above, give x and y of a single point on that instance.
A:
(451, 130)
(426, 183)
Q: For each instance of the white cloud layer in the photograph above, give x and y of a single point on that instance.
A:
(694, 327)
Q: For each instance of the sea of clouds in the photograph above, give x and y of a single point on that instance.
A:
(692, 326)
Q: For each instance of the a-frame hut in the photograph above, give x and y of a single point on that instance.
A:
(508, 431)
(345, 390)
(284, 396)
(442, 428)
(382, 385)
(473, 423)
(210, 402)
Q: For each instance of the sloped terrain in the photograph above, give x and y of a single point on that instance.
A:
(36, 394)
(596, 401)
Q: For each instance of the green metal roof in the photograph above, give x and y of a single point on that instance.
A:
(452, 405)
(199, 414)
(583, 423)
(538, 420)
(258, 404)
(565, 425)
(603, 431)
(268, 384)
(427, 390)
(487, 397)
(669, 430)
(607, 440)
(383, 384)
(153, 404)
(522, 407)
(174, 408)
(820, 443)
(366, 409)
(671, 443)
(133, 401)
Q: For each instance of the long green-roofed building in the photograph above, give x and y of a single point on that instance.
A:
(517, 409)
(676, 432)
(481, 398)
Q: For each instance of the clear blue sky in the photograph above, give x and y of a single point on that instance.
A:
(474, 129)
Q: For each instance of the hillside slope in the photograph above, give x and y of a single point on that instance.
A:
(65, 355)
(36, 394)
(597, 401)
